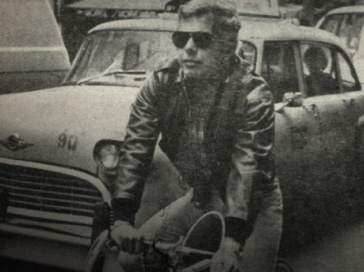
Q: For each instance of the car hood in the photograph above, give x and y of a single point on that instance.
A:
(62, 125)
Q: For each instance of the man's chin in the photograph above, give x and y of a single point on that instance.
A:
(191, 74)
(194, 74)
(198, 77)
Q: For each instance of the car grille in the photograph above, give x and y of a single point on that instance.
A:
(48, 191)
(40, 199)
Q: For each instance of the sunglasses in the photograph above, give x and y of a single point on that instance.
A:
(202, 40)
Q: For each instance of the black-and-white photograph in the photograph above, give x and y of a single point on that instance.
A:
(181, 135)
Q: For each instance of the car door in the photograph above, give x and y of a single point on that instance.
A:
(337, 106)
(313, 140)
(298, 141)
(323, 201)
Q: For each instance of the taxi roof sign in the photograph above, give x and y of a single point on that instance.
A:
(259, 8)
(254, 8)
(152, 5)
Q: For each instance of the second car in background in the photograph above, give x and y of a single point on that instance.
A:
(347, 23)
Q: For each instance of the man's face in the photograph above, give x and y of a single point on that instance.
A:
(312, 67)
(197, 62)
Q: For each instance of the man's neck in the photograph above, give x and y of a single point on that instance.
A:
(210, 81)
(202, 94)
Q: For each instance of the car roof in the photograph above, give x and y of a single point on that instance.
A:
(250, 29)
(348, 9)
(285, 31)
(138, 24)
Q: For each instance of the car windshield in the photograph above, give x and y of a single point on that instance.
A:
(347, 27)
(120, 57)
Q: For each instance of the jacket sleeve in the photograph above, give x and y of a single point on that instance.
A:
(252, 172)
(137, 152)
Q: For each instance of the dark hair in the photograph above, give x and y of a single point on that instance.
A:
(225, 16)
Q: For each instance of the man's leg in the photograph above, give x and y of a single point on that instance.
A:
(261, 249)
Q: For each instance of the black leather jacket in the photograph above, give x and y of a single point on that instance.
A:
(241, 136)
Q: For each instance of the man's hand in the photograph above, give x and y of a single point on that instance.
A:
(128, 238)
(228, 258)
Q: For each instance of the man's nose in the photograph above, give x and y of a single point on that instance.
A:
(191, 47)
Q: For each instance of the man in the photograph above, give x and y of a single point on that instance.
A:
(217, 127)
(318, 82)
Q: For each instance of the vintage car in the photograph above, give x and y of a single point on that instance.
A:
(59, 147)
(347, 24)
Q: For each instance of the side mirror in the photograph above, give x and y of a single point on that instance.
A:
(131, 56)
(291, 100)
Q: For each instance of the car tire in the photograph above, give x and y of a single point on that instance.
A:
(282, 266)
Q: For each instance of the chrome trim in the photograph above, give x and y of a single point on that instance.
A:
(46, 235)
(71, 172)
(85, 220)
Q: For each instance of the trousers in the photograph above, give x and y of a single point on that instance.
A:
(172, 222)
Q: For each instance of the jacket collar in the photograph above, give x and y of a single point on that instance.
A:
(231, 87)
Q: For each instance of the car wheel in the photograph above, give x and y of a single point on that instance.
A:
(282, 266)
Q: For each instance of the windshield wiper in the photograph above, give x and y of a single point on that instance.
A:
(108, 73)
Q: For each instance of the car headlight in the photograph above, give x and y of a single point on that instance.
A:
(106, 155)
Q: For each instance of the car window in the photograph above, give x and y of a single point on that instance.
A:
(279, 68)
(326, 70)
(247, 51)
(332, 23)
(346, 74)
(350, 29)
(320, 69)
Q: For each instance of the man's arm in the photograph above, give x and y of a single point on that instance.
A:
(137, 152)
(252, 172)
(251, 176)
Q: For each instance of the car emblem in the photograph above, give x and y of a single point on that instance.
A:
(15, 143)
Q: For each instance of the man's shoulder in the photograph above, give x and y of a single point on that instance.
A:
(249, 79)
(245, 74)
(167, 71)
(253, 86)
(167, 65)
